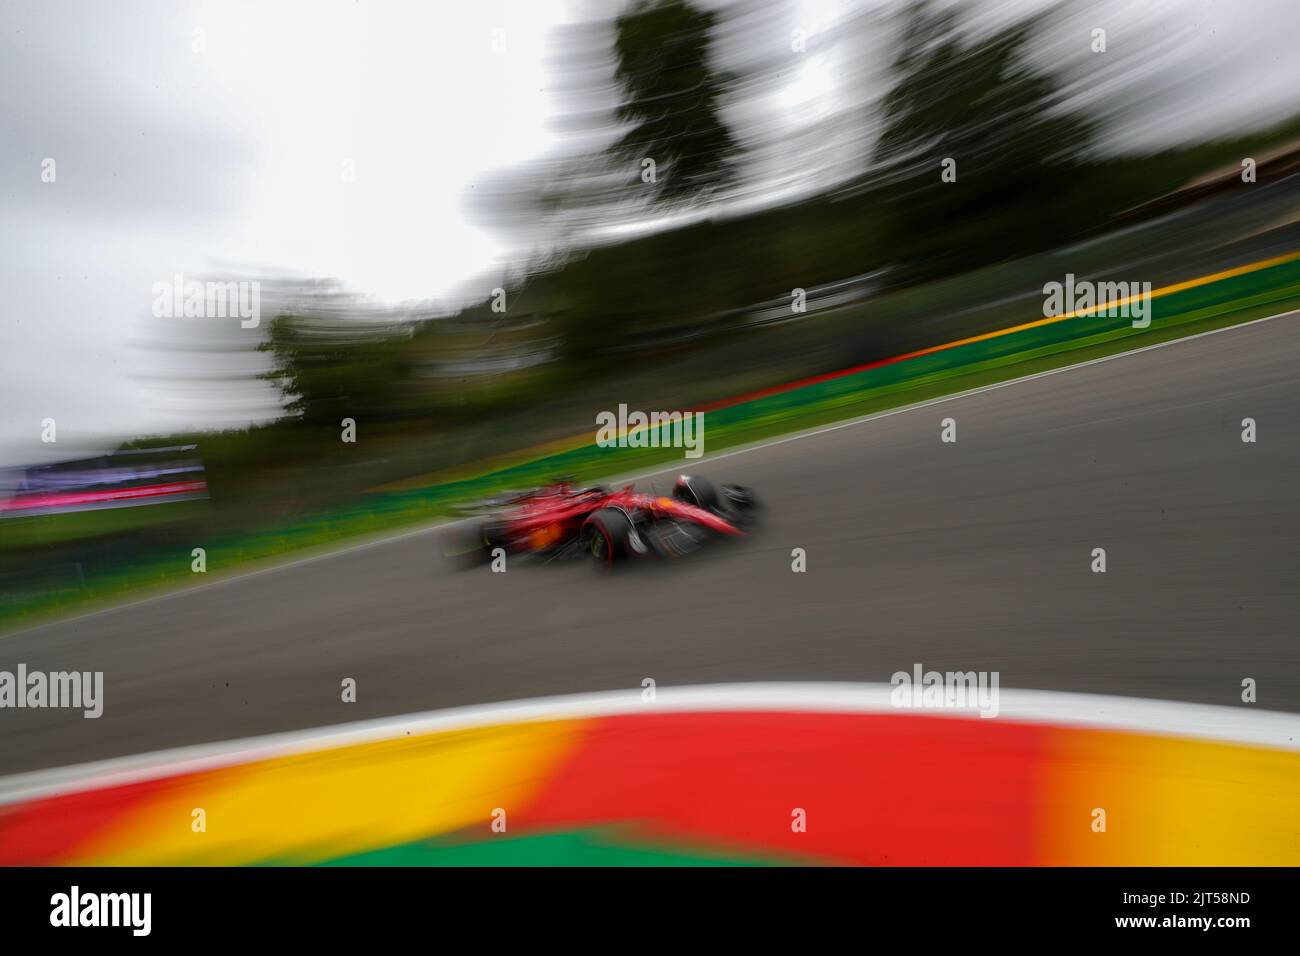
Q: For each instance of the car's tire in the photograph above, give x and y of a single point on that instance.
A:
(739, 505)
(738, 498)
(696, 491)
(605, 535)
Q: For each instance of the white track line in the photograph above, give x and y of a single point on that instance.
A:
(387, 538)
(1238, 725)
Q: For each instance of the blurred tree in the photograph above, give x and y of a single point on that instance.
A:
(328, 368)
(1016, 155)
(673, 99)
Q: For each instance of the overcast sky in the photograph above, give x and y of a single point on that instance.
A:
(224, 150)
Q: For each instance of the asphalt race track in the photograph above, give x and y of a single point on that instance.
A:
(967, 556)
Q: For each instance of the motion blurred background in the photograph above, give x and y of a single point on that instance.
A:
(390, 172)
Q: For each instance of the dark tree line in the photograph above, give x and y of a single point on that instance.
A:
(1025, 178)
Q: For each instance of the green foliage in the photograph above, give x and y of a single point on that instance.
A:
(673, 99)
(329, 369)
(1018, 156)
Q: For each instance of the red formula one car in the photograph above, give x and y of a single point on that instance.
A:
(560, 521)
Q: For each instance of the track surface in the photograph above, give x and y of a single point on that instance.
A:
(970, 556)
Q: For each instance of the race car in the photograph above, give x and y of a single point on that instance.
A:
(560, 520)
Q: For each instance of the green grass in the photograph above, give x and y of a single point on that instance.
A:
(1214, 306)
(39, 530)
(607, 846)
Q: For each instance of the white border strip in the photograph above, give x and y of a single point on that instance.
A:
(386, 537)
(1245, 726)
